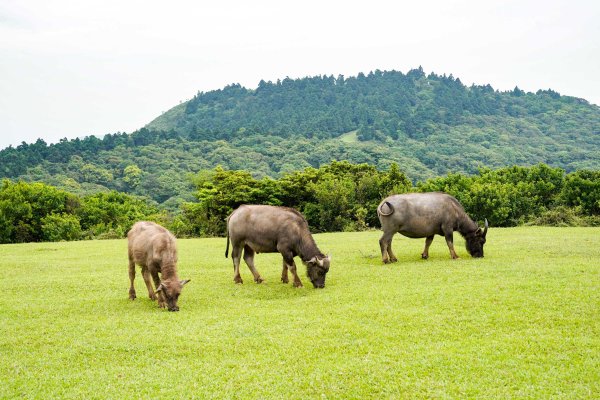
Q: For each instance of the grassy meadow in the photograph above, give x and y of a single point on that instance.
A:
(524, 322)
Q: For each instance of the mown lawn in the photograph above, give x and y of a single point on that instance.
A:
(524, 322)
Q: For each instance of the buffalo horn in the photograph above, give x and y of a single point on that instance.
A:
(486, 226)
(184, 281)
(159, 288)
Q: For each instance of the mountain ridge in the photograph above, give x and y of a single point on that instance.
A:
(429, 125)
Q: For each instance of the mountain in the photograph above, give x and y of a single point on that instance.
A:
(429, 124)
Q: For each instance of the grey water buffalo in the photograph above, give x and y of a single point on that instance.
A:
(423, 215)
(269, 229)
(153, 248)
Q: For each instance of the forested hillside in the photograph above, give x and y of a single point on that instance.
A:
(429, 125)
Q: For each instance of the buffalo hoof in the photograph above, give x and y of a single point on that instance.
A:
(298, 285)
(394, 260)
(286, 280)
(259, 280)
(131, 296)
(238, 280)
(424, 256)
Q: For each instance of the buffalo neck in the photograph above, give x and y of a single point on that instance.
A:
(467, 227)
(308, 248)
(168, 271)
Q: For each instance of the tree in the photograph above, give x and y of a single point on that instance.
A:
(23, 206)
(582, 189)
(59, 227)
(132, 176)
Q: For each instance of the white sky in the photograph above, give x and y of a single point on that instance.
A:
(79, 68)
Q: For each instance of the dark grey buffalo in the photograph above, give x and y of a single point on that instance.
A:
(269, 229)
(423, 215)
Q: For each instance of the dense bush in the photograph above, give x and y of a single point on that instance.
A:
(338, 196)
(32, 212)
(344, 196)
(58, 227)
(111, 214)
(23, 206)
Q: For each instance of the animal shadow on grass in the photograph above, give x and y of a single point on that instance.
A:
(271, 289)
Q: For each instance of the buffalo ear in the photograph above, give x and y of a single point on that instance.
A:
(183, 282)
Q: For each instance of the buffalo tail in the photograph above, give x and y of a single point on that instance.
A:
(380, 211)
(227, 248)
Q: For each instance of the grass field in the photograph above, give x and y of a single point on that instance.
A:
(524, 322)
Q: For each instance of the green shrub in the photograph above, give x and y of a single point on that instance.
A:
(559, 216)
(58, 227)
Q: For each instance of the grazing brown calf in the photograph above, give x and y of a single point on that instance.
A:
(153, 248)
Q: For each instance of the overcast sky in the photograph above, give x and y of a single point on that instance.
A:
(78, 68)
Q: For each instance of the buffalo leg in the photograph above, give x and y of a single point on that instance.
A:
(292, 268)
(450, 243)
(284, 273)
(131, 278)
(236, 253)
(249, 259)
(161, 297)
(390, 252)
(147, 280)
(385, 243)
(425, 254)
(288, 259)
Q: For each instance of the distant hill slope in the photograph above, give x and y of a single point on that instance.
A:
(429, 124)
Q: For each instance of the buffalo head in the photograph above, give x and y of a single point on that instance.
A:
(317, 268)
(476, 240)
(171, 289)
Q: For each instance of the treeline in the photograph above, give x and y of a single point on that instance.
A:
(378, 105)
(336, 197)
(429, 124)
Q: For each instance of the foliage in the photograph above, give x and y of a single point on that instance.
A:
(339, 196)
(520, 323)
(32, 212)
(57, 227)
(112, 214)
(430, 125)
(23, 207)
(582, 189)
(507, 196)
(343, 196)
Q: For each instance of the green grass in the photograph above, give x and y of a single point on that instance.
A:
(524, 322)
(349, 137)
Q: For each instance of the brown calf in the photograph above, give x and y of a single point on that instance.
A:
(153, 248)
